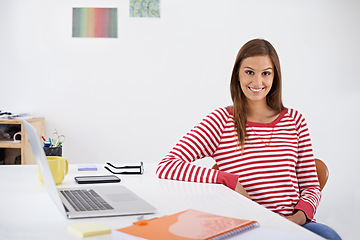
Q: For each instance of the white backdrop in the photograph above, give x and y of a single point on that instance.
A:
(132, 98)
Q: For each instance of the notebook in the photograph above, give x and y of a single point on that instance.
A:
(188, 224)
(116, 200)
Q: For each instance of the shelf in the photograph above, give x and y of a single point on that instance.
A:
(10, 121)
(22, 148)
(10, 144)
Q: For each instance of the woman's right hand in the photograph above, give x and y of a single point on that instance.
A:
(240, 189)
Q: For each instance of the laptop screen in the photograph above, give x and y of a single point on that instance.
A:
(45, 171)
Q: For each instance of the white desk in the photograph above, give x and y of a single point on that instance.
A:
(27, 211)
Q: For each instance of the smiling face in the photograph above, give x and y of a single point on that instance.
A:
(256, 75)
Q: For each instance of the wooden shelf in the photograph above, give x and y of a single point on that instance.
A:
(10, 144)
(23, 144)
(11, 121)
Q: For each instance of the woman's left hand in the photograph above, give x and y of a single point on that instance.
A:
(240, 189)
(299, 218)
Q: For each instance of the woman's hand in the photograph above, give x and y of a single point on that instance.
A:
(240, 189)
(299, 218)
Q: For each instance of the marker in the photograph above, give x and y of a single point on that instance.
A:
(43, 138)
(50, 142)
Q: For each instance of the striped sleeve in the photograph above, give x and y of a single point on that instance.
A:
(310, 193)
(202, 141)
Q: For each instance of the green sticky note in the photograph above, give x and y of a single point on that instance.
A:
(88, 229)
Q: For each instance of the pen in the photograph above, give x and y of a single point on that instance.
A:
(50, 142)
(43, 138)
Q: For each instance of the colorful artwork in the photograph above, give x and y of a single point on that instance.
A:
(95, 22)
(145, 8)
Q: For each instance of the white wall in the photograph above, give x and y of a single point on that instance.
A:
(132, 98)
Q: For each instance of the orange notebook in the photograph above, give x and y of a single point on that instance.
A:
(189, 224)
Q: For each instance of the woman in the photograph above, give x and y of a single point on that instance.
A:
(262, 149)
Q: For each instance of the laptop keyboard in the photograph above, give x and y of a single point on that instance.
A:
(86, 200)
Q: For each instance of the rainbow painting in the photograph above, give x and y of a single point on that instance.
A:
(95, 22)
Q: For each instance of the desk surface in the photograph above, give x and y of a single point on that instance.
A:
(27, 211)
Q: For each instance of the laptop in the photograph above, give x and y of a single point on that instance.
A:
(86, 201)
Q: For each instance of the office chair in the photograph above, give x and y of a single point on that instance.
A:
(321, 169)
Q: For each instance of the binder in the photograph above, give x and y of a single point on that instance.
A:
(189, 224)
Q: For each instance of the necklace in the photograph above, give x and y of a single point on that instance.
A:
(267, 144)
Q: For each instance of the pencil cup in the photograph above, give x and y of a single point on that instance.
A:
(53, 151)
(59, 167)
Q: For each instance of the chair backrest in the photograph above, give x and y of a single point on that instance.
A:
(321, 169)
(322, 172)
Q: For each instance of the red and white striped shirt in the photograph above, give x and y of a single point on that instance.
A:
(276, 166)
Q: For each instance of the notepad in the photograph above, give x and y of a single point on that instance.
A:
(89, 229)
(87, 168)
(189, 224)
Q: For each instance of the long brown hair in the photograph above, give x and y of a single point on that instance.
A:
(252, 48)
